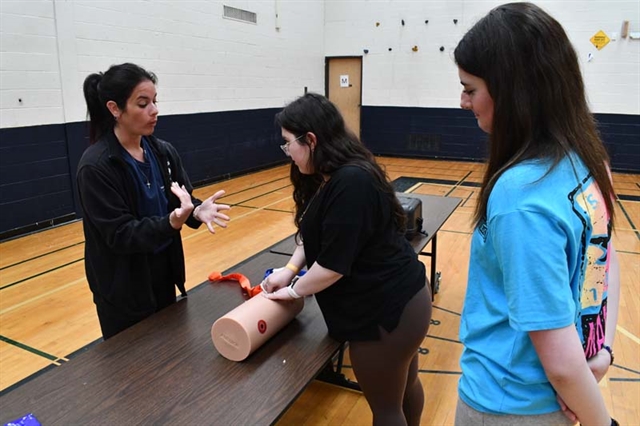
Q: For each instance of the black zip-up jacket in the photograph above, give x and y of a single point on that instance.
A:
(118, 242)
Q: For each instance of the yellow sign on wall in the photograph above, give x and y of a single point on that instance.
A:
(600, 40)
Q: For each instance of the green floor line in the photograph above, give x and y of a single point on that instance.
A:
(633, 226)
(443, 338)
(41, 273)
(41, 255)
(440, 372)
(30, 349)
(626, 369)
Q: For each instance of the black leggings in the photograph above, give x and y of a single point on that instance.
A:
(387, 369)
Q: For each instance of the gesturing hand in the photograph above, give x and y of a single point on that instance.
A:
(209, 211)
(179, 216)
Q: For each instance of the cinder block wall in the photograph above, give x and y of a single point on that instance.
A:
(222, 80)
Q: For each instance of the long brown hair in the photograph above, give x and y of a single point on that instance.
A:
(336, 146)
(540, 108)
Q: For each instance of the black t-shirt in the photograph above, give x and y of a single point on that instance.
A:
(348, 227)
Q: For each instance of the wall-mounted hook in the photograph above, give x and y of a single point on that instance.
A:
(625, 29)
(402, 22)
(414, 48)
(455, 21)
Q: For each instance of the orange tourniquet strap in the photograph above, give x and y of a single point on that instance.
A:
(242, 280)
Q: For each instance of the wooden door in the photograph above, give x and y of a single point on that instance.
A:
(344, 88)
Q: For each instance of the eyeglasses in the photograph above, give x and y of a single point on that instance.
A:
(285, 147)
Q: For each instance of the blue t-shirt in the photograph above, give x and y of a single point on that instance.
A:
(147, 178)
(538, 262)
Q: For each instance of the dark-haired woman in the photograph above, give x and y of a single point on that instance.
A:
(542, 296)
(367, 279)
(135, 195)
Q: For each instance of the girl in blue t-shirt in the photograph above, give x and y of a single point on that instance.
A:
(542, 297)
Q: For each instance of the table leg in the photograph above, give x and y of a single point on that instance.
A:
(333, 375)
(433, 279)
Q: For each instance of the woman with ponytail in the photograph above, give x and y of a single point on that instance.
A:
(135, 196)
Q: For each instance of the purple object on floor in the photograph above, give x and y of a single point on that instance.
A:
(28, 420)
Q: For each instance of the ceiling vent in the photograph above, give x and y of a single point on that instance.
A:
(240, 15)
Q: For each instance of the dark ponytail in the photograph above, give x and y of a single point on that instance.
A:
(100, 118)
(116, 85)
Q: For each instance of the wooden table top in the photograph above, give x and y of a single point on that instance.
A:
(166, 369)
(435, 212)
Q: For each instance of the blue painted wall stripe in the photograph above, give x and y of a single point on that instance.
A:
(38, 163)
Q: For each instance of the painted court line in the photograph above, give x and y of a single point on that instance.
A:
(253, 211)
(630, 335)
(40, 296)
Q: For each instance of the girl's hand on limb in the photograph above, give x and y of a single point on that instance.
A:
(209, 211)
(565, 410)
(279, 278)
(315, 280)
(280, 294)
(562, 357)
(599, 364)
(180, 215)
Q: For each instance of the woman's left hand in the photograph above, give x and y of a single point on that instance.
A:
(209, 212)
(279, 278)
(565, 410)
(599, 365)
(179, 216)
(281, 294)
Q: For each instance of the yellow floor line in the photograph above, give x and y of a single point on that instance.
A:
(83, 279)
(55, 290)
(623, 228)
(413, 188)
(630, 335)
(252, 211)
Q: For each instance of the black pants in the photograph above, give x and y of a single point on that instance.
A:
(113, 319)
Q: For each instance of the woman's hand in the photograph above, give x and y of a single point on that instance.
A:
(565, 410)
(209, 211)
(278, 279)
(281, 294)
(599, 365)
(179, 216)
